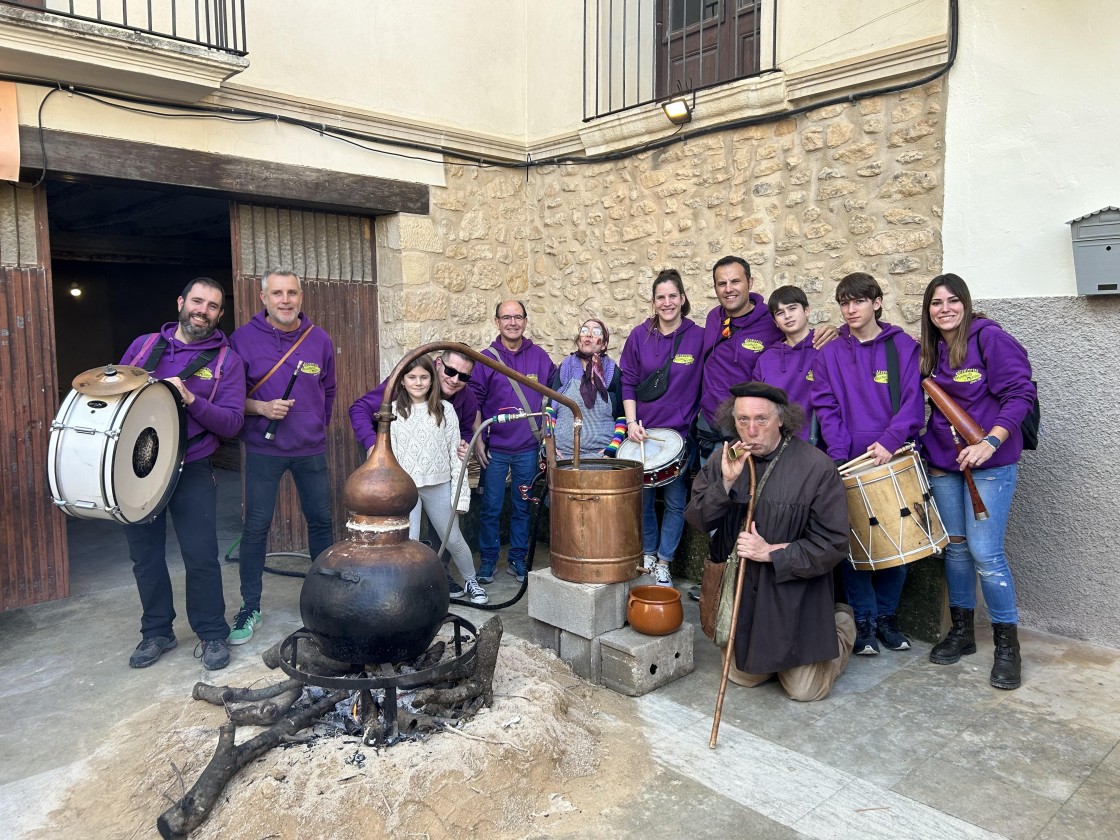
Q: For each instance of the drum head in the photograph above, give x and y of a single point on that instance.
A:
(663, 447)
(148, 455)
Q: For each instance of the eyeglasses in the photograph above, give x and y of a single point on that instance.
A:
(511, 319)
(451, 373)
(595, 331)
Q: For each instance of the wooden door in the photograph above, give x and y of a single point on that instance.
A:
(334, 257)
(705, 42)
(33, 558)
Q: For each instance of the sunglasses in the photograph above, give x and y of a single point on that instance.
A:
(595, 331)
(451, 373)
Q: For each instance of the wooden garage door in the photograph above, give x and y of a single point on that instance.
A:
(334, 256)
(33, 559)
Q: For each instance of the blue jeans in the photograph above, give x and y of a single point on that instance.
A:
(193, 508)
(522, 466)
(982, 550)
(872, 594)
(663, 541)
(262, 484)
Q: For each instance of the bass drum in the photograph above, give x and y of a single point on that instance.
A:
(119, 456)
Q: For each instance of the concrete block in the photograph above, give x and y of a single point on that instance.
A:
(583, 655)
(635, 664)
(544, 635)
(586, 609)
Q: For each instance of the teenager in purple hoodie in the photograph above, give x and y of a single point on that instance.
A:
(987, 373)
(508, 449)
(282, 348)
(214, 396)
(851, 396)
(648, 347)
(788, 363)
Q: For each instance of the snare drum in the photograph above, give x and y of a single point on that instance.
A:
(666, 456)
(892, 514)
(117, 457)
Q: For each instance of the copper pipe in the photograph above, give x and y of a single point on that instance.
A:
(729, 651)
(959, 419)
(385, 413)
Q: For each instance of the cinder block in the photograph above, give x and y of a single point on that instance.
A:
(586, 609)
(544, 635)
(635, 664)
(583, 655)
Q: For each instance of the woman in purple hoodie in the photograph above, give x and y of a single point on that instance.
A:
(668, 336)
(987, 373)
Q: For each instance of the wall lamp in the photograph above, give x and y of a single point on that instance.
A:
(679, 109)
(75, 290)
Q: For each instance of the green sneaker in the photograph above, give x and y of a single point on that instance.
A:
(243, 626)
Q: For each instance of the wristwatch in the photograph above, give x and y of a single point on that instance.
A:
(993, 441)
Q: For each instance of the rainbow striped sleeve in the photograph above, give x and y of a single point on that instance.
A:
(617, 438)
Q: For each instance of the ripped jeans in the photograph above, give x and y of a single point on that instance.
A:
(982, 551)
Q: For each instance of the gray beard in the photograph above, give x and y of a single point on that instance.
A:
(195, 333)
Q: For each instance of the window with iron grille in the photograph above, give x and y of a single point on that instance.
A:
(640, 51)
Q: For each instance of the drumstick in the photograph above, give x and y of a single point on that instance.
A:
(843, 468)
(270, 433)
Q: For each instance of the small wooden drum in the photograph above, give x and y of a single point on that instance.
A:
(117, 456)
(892, 514)
(666, 456)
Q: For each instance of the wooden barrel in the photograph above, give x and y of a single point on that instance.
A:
(596, 518)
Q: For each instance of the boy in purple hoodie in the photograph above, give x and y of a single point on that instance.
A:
(213, 391)
(852, 398)
(788, 364)
(290, 376)
(508, 449)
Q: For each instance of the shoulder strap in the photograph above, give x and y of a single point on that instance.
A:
(522, 399)
(283, 359)
(198, 363)
(892, 376)
(151, 359)
(732, 329)
(218, 371)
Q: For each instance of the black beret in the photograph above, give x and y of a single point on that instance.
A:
(760, 389)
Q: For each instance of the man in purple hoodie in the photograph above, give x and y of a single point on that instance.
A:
(788, 364)
(290, 376)
(852, 397)
(508, 448)
(193, 355)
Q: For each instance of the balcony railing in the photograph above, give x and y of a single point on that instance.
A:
(641, 51)
(217, 24)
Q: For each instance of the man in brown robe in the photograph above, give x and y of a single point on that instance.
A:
(789, 623)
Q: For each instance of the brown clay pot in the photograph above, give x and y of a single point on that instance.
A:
(655, 610)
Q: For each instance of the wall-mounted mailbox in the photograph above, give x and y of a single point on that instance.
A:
(1096, 251)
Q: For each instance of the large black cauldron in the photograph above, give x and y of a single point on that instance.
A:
(377, 596)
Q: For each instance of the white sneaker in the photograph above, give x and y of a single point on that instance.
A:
(661, 575)
(475, 592)
(648, 562)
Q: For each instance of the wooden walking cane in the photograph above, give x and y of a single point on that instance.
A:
(729, 651)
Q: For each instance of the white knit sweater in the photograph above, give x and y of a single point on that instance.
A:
(427, 452)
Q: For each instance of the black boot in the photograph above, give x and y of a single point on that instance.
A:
(960, 641)
(1008, 663)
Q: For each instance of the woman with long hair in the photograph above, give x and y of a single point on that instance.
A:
(426, 444)
(591, 377)
(667, 340)
(987, 373)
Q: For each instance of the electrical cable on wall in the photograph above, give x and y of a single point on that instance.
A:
(360, 139)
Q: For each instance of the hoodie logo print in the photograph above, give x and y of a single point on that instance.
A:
(754, 345)
(204, 373)
(683, 359)
(809, 377)
(881, 377)
(312, 368)
(968, 375)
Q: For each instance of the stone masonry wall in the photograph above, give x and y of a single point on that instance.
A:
(805, 201)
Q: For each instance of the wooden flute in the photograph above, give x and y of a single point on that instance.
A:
(959, 421)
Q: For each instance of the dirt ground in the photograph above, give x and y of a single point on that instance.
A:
(552, 755)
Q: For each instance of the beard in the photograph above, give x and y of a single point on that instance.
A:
(194, 331)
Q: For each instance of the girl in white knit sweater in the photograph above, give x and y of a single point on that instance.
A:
(425, 441)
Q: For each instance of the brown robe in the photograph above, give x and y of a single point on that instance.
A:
(786, 614)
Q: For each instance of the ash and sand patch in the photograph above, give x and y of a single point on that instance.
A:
(551, 755)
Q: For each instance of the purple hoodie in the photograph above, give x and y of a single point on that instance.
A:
(999, 393)
(220, 417)
(304, 430)
(733, 359)
(644, 353)
(495, 393)
(791, 369)
(852, 398)
(363, 413)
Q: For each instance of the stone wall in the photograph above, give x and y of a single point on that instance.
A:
(805, 200)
